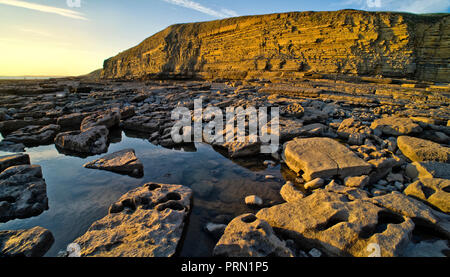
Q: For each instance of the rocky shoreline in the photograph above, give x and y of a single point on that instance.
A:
(369, 160)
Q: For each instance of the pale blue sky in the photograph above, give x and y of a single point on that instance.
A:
(51, 37)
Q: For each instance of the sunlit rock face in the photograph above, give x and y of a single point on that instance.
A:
(343, 42)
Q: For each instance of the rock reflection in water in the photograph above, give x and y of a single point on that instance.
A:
(79, 196)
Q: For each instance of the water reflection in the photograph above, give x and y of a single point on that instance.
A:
(79, 196)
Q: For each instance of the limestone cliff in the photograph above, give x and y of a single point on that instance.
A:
(343, 42)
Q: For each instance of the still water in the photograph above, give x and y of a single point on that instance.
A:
(79, 196)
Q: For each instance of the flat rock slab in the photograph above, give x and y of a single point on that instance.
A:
(91, 141)
(145, 222)
(33, 242)
(23, 192)
(342, 221)
(323, 158)
(435, 192)
(421, 150)
(123, 162)
(12, 160)
(248, 236)
(396, 126)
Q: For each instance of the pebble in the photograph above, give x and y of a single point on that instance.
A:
(253, 200)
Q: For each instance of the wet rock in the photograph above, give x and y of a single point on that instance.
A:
(91, 141)
(145, 222)
(248, 236)
(253, 200)
(357, 182)
(12, 160)
(71, 120)
(29, 243)
(427, 170)
(23, 192)
(108, 119)
(12, 147)
(123, 162)
(14, 125)
(395, 126)
(290, 193)
(435, 192)
(420, 150)
(33, 135)
(323, 158)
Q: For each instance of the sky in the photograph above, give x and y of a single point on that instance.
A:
(74, 37)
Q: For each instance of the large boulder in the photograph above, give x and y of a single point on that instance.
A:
(145, 222)
(323, 158)
(109, 118)
(434, 191)
(421, 150)
(123, 162)
(248, 236)
(23, 192)
(395, 126)
(33, 242)
(91, 141)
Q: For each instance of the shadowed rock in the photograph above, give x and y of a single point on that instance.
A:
(11, 160)
(33, 135)
(23, 192)
(92, 141)
(29, 243)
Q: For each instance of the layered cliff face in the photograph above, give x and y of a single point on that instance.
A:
(343, 42)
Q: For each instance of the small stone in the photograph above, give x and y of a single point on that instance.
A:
(315, 253)
(357, 182)
(253, 200)
(315, 184)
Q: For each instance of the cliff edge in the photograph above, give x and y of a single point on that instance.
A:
(343, 42)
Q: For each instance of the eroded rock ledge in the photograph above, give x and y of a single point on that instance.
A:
(290, 44)
(145, 222)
